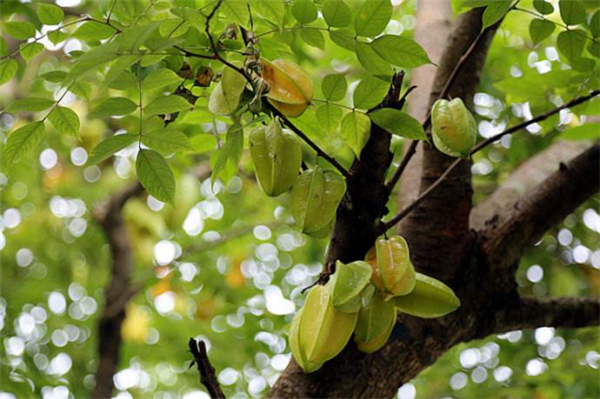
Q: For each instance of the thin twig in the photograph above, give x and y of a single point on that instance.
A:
(312, 144)
(208, 377)
(398, 217)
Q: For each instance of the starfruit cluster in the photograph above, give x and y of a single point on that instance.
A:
(454, 129)
(361, 300)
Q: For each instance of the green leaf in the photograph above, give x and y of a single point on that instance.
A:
(123, 81)
(92, 31)
(3, 47)
(540, 29)
(54, 76)
(400, 51)
(590, 131)
(23, 140)
(155, 175)
(570, 43)
(167, 105)
(273, 10)
(160, 78)
(30, 50)
(313, 37)
(167, 141)
(57, 36)
(369, 92)
(110, 146)
(114, 106)
(334, 87)
(595, 24)
(355, 131)
(543, 7)
(49, 14)
(495, 12)
(65, 120)
(237, 11)
(231, 151)
(337, 14)
(594, 49)
(398, 123)
(20, 30)
(373, 17)
(8, 68)
(305, 11)
(572, 11)
(372, 62)
(30, 104)
(329, 117)
(92, 60)
(343, 38)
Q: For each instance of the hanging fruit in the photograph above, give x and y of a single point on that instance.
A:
(277, 157)
(375, 323)
(315, 198)
(429, 299)
(319, 332)
(347, 285)
(290, 87)
(454, 129)
(393, 271)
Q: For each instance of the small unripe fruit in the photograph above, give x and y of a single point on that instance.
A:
(429, 299)
(376, 321)
(454, 129)
(393, 271)
(347, 285)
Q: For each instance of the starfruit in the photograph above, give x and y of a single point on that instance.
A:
(347, 285)
(277, 157)
(321, 331)
(429, 299)
(454, 129)
(315, 198)
(290, 87)
(295, 346)
(393, 272)
(375, 323)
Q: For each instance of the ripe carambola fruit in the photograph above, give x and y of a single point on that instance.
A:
(429, 299)
(454, 129)
(393, 272)
(320, 332)
(290, 87)
(376, 321)
(315, 198)
(347, 285)
(277, 157)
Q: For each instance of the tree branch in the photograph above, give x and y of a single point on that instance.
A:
(531, 312)
(207, 371)
(481, 145)
(503, 240)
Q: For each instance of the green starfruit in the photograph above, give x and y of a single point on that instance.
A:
(315, 198)
(393, 271)
(454, 129)
(429, 299)
(295, 346)
(277, 157)
(321, 331)
(347, 285)
(375, 323)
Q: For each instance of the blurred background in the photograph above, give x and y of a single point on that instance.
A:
(225, 263)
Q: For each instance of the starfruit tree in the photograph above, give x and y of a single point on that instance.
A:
(374, 154)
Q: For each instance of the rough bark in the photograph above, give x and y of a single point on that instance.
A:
(507, 235)
(527, 176)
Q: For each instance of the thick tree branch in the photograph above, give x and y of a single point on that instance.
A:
(526, 177)
(531, 312)
(506, 237)
(208, 377)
